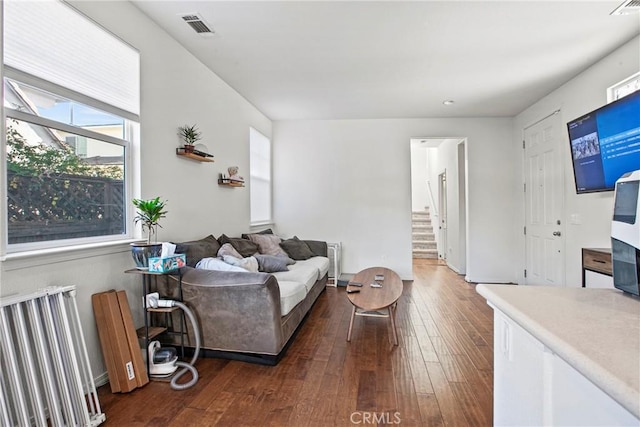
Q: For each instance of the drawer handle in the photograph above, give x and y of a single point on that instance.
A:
(600, 261)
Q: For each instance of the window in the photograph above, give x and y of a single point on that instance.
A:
(624, 88)
(260, 177)
(71, 110)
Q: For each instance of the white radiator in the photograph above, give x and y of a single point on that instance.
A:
(46, 378)
(335, 254)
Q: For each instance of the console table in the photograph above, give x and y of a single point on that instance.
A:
(597, 260)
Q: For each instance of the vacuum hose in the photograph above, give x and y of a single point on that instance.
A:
(188, 367)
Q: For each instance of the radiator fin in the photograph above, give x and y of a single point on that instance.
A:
(46, 377)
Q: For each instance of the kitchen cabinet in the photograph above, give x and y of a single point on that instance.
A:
(565, 356)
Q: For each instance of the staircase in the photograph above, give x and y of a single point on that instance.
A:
(424, 241)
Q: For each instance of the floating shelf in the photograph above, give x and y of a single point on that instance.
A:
(230, 183)
(198, 156)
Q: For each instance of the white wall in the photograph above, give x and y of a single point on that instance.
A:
(580, 95)
(419, 176)
(176, 89)
(349, 181)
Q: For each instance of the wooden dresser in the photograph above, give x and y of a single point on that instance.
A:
(598, 260)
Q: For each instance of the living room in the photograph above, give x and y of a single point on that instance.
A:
(335, 180)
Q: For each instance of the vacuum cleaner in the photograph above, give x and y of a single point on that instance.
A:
(163, 361)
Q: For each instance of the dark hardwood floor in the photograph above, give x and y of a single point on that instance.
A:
(441, 374)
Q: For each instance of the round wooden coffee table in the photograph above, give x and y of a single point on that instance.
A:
(375, 301)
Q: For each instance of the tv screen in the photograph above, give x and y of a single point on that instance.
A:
(605, 144)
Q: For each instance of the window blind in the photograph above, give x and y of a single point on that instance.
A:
(52, 41)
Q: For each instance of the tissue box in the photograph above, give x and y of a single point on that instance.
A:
(165, 264)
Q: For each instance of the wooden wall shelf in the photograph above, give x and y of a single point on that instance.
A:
(230, 183)
(192, 156)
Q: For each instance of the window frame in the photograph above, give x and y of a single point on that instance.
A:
(612, 91)
(130, 170)
(253, 178)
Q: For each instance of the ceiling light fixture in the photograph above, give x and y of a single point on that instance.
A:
(448, 102)
(627, 7)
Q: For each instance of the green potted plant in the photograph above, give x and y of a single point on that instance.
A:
(149, 212)
(189, 135)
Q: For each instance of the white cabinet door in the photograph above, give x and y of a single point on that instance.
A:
(518, 398)
(578, 402)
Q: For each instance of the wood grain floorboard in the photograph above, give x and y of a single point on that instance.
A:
(440, 374)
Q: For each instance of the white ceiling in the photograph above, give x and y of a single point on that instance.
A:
(396, 59)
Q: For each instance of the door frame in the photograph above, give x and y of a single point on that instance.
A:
(442, 212)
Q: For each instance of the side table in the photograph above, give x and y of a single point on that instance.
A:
(149, 331)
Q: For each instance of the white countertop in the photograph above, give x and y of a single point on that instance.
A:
(597, 331)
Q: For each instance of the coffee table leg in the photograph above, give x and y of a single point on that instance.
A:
(392, 317)
(353, 316)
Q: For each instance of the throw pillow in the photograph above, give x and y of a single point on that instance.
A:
(271, 264)
(267, 231)
(195, 250)
(243, 246)
(217, 264)
(268, 244)
(228, 250)
(296, 249)
(317, 247)
(249, 263)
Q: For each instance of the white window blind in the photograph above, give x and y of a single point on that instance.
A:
(52, 41)
(260, 177)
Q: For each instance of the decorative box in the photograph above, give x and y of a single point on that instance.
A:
(165, 264)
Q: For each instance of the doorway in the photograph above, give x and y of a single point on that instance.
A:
(439, 180)
(544, 203)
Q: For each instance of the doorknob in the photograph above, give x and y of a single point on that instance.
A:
(557, 233)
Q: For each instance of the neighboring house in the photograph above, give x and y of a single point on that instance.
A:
(357, 172)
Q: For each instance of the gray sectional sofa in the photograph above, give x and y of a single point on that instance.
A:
(250, 316)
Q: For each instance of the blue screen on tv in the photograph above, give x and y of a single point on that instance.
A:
(605, 144)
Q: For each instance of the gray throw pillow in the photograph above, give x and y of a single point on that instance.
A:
(245, 247)
(318, 247)
(296, 249)
(271, 264)
(195, 250)
(266, 231)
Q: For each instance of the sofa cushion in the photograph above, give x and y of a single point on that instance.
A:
(271, 264)
(268, 244)
(296, 249)
(291, 294)
(243, 246)
(195, 250)
(306, 275)
(249, 263)
(228, 250)
(217, 264)
(319, 263)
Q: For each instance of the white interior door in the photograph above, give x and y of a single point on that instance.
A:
(544, 181)
(442, 207)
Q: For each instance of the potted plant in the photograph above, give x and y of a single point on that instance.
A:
(190, 135)
(149, 212)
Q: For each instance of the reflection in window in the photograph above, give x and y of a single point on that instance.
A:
(54, 194)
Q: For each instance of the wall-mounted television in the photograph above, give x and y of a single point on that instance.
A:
(605, 144)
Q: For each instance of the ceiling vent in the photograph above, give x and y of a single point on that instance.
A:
(196, 22)
(627, 7)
